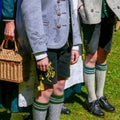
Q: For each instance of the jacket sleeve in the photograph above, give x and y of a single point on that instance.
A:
(8, 9)
(32, 18)
(76, 26)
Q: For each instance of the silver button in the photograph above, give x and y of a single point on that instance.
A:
(92, 10)
(58, 25)
(59, 13)
(58, 1)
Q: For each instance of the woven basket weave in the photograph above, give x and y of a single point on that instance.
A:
(10, 65)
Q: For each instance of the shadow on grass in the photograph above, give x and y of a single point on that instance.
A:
(5, 116)
(79, 98)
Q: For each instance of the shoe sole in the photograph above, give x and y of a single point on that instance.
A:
(95, 114)
(92, 112)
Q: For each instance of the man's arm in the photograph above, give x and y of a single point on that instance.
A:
(32, 17)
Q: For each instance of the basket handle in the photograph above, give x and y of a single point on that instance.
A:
(5, 42)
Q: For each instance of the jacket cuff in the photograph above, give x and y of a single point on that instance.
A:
(8, 20)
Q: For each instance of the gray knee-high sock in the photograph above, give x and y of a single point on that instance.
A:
(89, 77)
(39, 110)
(56, 103)
(100, 79)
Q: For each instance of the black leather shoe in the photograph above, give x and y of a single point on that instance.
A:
(94, 108)
(104, 104)
(65, 110)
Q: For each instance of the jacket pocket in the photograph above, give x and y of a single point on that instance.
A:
(46, 24)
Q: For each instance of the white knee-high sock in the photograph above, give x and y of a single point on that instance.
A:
(40, 110)
(56, 103)
(89, 77)
(100, 79)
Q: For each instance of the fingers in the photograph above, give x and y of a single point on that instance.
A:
(74, 57)
(9, 32)
(9, 37)
(43, 65)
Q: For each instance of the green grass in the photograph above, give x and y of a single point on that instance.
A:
(112, 91)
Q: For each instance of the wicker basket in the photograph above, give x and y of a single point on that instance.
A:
(10, 65)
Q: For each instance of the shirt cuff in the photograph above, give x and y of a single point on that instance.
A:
(75, 48)
(40, 56)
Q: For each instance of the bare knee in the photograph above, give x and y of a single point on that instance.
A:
(59, 87)
(44, 96)
(102, 56)
(91, 60)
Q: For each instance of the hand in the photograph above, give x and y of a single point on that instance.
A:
(43, 64)
(9, 32)
(74, 56)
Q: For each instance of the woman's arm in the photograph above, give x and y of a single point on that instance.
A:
(8, 9)
(8, 15)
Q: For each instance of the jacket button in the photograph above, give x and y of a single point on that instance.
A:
(59, 13)
(58, 1)
(58, 25)
(92, 10)
(118, 7)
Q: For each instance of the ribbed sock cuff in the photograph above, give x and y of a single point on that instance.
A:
(88, 70)
(40, 106)
(56, 99)
(101, 67)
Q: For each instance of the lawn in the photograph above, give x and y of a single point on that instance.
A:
(112, 91)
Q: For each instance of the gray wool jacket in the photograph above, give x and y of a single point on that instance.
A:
(91, 12)
(47, 23)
